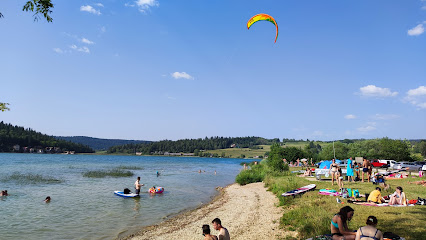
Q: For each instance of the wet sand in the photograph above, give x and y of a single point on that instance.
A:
(248, 212)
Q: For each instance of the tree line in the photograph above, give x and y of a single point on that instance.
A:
(15, 135)
(192, 145)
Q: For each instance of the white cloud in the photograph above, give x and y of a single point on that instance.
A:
(143, 5)
(99, 4)
(366, 129)
(90, 9)
(417, 30)
(87, 41)
(58, 50)
(80, 49)
(379, 116)
(178, 75)
(417, 97)
(103, 29)
(350, 116)
(378, 92)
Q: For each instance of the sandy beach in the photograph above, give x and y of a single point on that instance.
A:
(248, 212)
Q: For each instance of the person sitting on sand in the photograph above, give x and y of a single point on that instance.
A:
(223, 232)
(376, 196)
(47, 199)
(398, 197)
(370, 231)
(339, 224)
(206, 233)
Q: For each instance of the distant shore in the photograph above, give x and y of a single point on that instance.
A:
(248, 212)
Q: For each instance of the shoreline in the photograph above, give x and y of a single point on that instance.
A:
(252, 213)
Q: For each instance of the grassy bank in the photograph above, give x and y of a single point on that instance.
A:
(310, 213)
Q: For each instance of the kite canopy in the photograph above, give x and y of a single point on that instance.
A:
(263, 17)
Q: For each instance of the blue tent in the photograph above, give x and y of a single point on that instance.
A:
(326, 164)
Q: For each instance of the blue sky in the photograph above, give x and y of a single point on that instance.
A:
(158, 69)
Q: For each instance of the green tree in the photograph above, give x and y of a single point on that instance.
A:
(341, 151)
(3, 107)
(275, 158)
(42, 7)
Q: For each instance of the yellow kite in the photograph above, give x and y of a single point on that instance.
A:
(265, 17)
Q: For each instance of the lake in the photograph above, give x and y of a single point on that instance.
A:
(86, 208)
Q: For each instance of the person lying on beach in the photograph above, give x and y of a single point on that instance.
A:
(398, 197)
(376, 196)
(47, 199)
(206, 233)
(339, 224)
(370, 231)
(423, 183)
(307, 173)
(223, 232)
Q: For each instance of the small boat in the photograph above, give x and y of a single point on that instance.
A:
(129, 195)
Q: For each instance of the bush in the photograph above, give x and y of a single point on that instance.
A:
(255, 174)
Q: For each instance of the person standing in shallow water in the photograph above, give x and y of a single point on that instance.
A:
(223, 232)
(138, 185)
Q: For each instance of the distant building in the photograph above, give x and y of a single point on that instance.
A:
(139, 153)
(233, 145)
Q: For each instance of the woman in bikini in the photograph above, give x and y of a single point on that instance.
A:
(398, 197)
(333, 171)
(370, 231)
(339, 224)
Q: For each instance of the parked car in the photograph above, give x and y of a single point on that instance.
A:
(377, 163)
(424, 168)
(411, 165)
(388, 162)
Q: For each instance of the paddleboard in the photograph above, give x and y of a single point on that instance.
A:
(300, 190)
(121, 194)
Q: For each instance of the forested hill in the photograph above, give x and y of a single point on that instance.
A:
(192, 145)
(99, 143)
(30, 140)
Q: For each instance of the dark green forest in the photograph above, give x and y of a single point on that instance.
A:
(192, 145)
(26, 137)
(99, 143)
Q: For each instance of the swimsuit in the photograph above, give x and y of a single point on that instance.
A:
(336, 226)
(366, 236)
(365, 169)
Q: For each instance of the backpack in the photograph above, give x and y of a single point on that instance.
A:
(391, 235)
(421, 201)
(126, 191)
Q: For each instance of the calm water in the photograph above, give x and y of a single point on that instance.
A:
(86, 208)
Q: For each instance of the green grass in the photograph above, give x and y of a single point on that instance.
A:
(310, 214)
(28, 178)
(256, 173)
(116, 172)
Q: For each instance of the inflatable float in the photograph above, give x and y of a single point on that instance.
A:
(156, 190)
(299, 190)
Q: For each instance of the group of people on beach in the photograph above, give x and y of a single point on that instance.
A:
(340, 230)
(397, 198)
(366, 168)
(217, 225)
